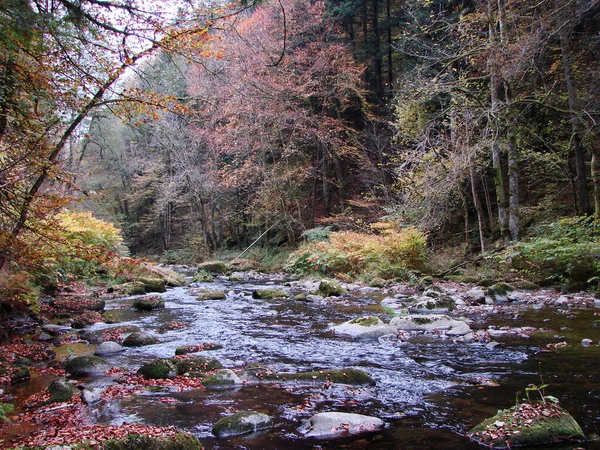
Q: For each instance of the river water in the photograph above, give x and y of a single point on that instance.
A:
(429, 391)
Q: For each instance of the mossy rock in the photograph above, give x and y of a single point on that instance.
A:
(185, 349)
(212, 294)
(269, 294)
(19, 373)
(86, 366)
(153, 284)
(342, 376)
(96, 305)
(378, 282)
(203, 276)
(180, 441)
(139, 339)
(218, 267)
(158, 369)
(301, 297)
(245, 422)
(132, 288)
(222, 379)
(366, 321)
(527, 424)
(61, 391)
(328, 288)
(196, 364)
(148, 303)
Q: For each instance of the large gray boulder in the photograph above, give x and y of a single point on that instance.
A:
(222, 379)
(335, 424)
(108, 348)
(139, 339)
(367, 327)
(431, 322)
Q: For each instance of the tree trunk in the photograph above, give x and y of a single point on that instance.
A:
(513, 188)
(478, 209)
(388, 15)
(580, 169)
(596, 180)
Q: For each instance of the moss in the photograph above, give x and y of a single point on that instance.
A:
(19, 373)
(301, 297)
(330, 289)
(527, 424)
(203, 276)
(421, 320)
(5, 408)
(241, 423)
(180, 441)
(378, 282)
(133, 288)
(197, 364)
(367, 321)
(158, 369)
(148, 303)
(268, 294)
(214, 267)
(343, 376)
(153, 284)
(211, 295)
(184, 350)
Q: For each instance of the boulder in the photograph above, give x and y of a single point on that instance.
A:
(437, 304)
(269, 294)
(430, 322)
(367, 327)
(211, 294)
(158, 369)
(241, 423)
(527, 424)
(83, 366)
(179, 441)
(108, 348)
(153, 284)
(475, 295)
(148, 303)
(131, 288)
(18, 373)
(218, 267)
(222, 379)
(139, 339)
(499, 292)
(195, 365)
(203, 276)
(328, 288)
(61, 391)
(185, 349)
(335, 424)
(342, 376)
(92, 395)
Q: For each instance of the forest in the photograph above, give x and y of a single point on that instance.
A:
(306, 159)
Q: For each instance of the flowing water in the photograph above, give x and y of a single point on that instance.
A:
(429, 390)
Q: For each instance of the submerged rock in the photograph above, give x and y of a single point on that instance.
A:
(367, 327)
(245, 422)
(341, 376)
(431, 322)
(527, 424)
(92, 395)
(335, 424)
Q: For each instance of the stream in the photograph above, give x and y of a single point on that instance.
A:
(429, 390)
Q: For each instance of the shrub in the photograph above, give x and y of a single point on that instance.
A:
(387, 252)
(17, 292)
(567, 251)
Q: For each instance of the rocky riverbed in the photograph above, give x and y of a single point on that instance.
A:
(400, 365)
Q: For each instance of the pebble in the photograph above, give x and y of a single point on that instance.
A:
(587, 342)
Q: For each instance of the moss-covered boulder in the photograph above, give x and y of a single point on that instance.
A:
(131, 288)
(342, 376)
(82, 366)
(218, 267)
(241, 423)
(95, 304)
(158, 369)
(195, 365)
(211, 294)
(185, 349)
(269, 294)
(203, 276)
(153, 284)
(328, 288)
(527, 424)
(61, 391)
(180, 441)
(148, 303)
(5, 408)
(499, 292)
(19, 373)
(367, 327)
(139, 339)
(437, 304)
(222, 379)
